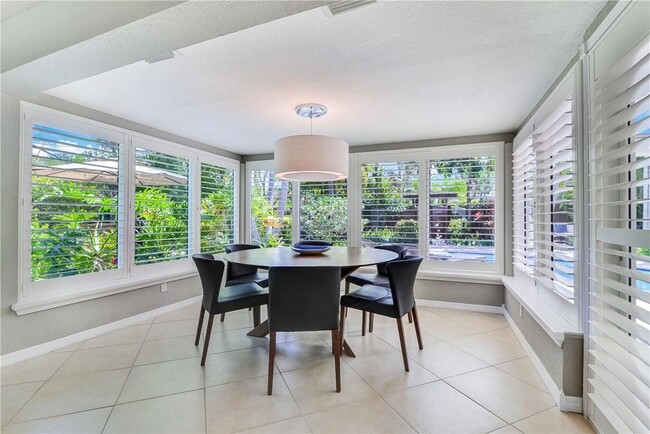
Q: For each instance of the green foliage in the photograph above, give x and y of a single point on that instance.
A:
(324, 216)
(406, 232)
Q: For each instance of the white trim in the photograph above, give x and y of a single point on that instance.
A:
(37, 303)
(461, 306)
(612, 17)
(564, 403)
(37, 350)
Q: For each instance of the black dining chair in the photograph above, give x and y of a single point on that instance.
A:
(314, 243)
(379, 279)
(304, 299)
(394, 302)
(239, 273)
(217, 300)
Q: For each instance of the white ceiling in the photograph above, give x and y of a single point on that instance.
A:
(390, 72)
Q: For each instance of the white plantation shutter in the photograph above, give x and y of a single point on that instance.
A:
(217, 208)
(271, 205)
(523, 176)
(554, 200)
(619, 179)
(162, 207)
(324, 211)
(389, 203)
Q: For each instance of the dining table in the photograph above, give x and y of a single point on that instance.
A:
(348, 258)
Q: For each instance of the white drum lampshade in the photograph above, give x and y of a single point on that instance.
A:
(311, 158)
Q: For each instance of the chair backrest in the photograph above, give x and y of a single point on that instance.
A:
(397, 248)
(304, 298)
(211, 273)
(236, 270)
(313, 243)
(401, 275)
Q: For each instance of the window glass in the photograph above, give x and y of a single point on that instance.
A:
(217, 208)
(270, 213)
(324, 211)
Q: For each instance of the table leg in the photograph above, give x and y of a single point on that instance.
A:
(260, 331)
(347, 350)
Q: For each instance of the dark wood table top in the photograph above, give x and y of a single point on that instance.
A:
(336, 257)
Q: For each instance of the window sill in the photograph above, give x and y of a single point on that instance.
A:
(554, 324)
(446, 276)
(40, 302)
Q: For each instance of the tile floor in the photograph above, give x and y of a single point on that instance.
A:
(471, 377)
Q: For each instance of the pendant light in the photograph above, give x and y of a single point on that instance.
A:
(311, 157)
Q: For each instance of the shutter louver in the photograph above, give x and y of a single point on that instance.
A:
(217, 208)
(271, 202)
(523, 177)
(619, 179)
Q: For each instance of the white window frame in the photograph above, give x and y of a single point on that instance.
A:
(49, 293)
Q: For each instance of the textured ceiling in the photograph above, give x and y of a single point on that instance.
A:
(390, 72)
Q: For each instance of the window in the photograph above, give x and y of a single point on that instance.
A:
(461, 205)
(554, 225)
(523, 176)
(217, 208)
(619, 173)
(271, 204)
(324, 211)
(106, 210)
(389, 203)
(75, 224)
(161, 207)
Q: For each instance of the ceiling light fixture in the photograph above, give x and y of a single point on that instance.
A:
(310, 157)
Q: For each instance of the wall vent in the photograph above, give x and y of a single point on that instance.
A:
(342, 7)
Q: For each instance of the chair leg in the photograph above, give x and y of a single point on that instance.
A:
(223, 317)
(207, 340)
(256, 316)
(269, 390)
(337, 358)
(347, 287)
(400, 329)
(416, 322)
(410, 317)
(344, 311)
(363, 323)
(371, 322)
(198, 329)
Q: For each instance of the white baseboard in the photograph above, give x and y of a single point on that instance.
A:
(460, 306)
(57, 344)
(571, 404)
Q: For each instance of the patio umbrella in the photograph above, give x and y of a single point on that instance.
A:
(106, 172)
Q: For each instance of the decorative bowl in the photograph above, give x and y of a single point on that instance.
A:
(310, 250)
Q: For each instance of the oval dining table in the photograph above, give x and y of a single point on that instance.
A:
(348, 258)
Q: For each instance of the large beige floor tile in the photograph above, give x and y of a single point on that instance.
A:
(14, 398)
(385, 373)
(232, 340)
(71, 394)
(439, 408)
(508, 429)
(164, 350)
(36, 369)
(165, 378)
(85, 422)
(506, 335)
(484, 322)
(235, 320)
(555, 421)
(489, 349)
(524, 370)
(368, 345)
(235, 407)
(314, 389)
(445, 360)
(445, 313)
(126, 335)
(372, 415)
(99, 359)
(296, 425)
(236, 366)
(506, 396)
(180, 413)
(302, 354)
(184, 313)
(445, 329)
(173, 329)
(69, 348)
(391, 336)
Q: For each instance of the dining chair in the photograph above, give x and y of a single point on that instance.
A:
(217, 300)
(239, 273)
(379, 279)
(304, 299)
(313, 243)
(394, 302)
